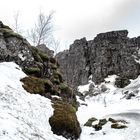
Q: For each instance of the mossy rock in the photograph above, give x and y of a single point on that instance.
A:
(112, 120)
(57, 74)
(66, 91)
(56, 81)
(10, 33)
(48, 85)
(43, 56)
(90, 121)
(53, 66)
(4, 26)
(53, 60)
(102, 122)
(64, 121)
(97, 127)
(32, 71)
(33, 85)
(118, 126)
(122, 82)
(63, 86)
(35, 53)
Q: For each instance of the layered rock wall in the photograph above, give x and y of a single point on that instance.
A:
(109, 53)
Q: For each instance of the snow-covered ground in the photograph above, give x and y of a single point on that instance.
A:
(23, 116)
(111, 103)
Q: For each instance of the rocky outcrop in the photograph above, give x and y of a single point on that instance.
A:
(46, 50)
(73, 63)
(13, 47)
(44, 78)
(109, 53)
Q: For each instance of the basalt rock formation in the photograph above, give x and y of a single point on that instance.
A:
(43, 77)
(109, 53)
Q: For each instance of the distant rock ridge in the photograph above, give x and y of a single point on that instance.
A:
(109, 53)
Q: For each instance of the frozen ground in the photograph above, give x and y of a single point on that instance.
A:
(111, 103)
(23, 116)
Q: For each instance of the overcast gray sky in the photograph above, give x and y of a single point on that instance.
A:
(75, 19)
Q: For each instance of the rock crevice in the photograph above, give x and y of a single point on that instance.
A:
(109, 53)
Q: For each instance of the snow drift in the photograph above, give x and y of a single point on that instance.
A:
(23, 116)
(122, 104)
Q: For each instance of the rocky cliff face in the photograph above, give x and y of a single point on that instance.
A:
(43, 77)
(109, 53)
(74, 63)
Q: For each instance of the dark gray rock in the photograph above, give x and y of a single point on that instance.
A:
(109, 53)
(14, 47)
(46, 50)
(73, 63)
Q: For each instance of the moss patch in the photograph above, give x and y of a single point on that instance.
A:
(57, 74)
(32, 70)
(10, 33)
(33, 85)
(64, 121)
(43, 56)
(66, 91)
(35, 53)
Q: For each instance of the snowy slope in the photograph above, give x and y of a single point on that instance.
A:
(23, 116)
(111, 103)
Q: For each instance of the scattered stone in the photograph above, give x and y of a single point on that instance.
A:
(112, 120)
(103, 88)
(92, 133)
(90, 121)
(130, 95)
(102, 122)
(97, 127)
(118, 126)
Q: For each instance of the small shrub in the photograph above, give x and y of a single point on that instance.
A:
(64, 121)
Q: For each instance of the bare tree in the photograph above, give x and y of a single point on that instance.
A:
(55, 44)
(42, 31)
(16, 24)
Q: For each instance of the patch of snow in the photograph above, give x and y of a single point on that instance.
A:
(23, 116)
(21, 57)
(111, 103)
